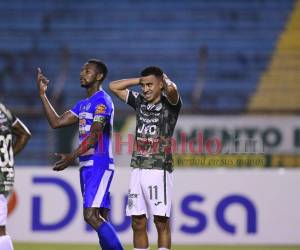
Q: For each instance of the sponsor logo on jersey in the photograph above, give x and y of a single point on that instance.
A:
(147, 129)
(82, 123)
(147, 120)
(100, 109)
(99, 118)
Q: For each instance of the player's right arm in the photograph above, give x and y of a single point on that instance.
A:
(120, 87)
(55, 120)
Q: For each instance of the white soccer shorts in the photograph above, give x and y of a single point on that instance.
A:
(3, 210)
(150, 192)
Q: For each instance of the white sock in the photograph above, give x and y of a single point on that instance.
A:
(163, 248)
(5, 243)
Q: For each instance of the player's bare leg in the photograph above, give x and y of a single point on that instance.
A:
(108, 238)
(104, 213)
(91, 216)
(2, 230)
(139, 227)
(163, 231)
(5, 240)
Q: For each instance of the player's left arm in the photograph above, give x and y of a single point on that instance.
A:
(88, 143)
(22, 134)
(170, 90)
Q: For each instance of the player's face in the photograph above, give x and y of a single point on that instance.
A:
(89, 75)
(151, 87)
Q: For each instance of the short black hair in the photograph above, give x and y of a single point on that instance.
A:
(101, 67)
(152, 70)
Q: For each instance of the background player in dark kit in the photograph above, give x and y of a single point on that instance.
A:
(13, 137)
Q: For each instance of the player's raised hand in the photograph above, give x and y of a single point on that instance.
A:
(170, 90)
(65, 161)
(166, 79)
(42, 82)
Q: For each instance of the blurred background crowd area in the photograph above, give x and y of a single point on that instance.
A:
(227, 57)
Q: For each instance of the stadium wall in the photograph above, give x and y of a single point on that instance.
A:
(211, 206)
(275, 141)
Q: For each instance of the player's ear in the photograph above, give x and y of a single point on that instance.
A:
(161, 83)
(99, 77)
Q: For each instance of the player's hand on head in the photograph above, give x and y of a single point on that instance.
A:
(166, 79)
(65, 161)
(42, 82)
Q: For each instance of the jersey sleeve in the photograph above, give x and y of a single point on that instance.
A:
(178, 105)
(175, 107)
(14, 119)
(132, 98)
(11, 117)
(102, 111)
(76, 109)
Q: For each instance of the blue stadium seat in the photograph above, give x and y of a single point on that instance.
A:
(239, 37)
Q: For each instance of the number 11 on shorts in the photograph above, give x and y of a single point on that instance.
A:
(151, 188)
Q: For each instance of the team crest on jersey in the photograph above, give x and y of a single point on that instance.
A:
(100, 109)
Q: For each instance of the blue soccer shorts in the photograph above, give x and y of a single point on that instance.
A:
(95, 183)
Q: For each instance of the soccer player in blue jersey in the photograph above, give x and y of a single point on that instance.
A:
(95, 118)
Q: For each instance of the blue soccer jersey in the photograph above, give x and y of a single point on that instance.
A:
(97, 164)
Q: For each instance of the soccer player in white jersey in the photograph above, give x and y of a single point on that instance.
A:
(95, 118)
(13, 137)
(151, 185)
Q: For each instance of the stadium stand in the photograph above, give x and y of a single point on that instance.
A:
(235, 38)
(279, 86)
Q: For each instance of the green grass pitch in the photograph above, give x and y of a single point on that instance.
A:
(44, 246)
